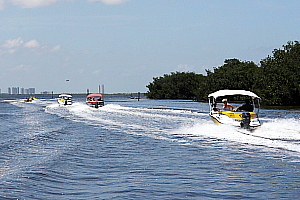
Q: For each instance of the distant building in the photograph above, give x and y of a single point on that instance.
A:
(15, 90)
(45, 92)
(101, 89)
(31, 90)
(22, 91)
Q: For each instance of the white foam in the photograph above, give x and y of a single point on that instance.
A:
(273, 135)
(284, 129)
(182, 127)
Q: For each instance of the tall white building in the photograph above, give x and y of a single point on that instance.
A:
(101, 89)
(15, 90)
(31, 90)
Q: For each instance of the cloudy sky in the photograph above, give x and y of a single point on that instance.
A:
(123, 44)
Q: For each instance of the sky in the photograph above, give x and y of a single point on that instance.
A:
(124, 44)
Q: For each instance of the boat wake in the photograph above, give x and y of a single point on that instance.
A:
(184, 126)
(277, 134)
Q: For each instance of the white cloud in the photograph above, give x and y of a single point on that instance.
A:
(33, 3)
(31, 44)
(56, 48)
(96, 72)
(39, 3)
(9, 44)
(20, 68)
(110, 2)
(12, 46)
(11, 51)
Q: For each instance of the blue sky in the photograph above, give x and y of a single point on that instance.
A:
(123, 44)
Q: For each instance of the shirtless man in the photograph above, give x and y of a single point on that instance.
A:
(226, 105)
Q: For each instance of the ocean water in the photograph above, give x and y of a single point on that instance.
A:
(145, 149)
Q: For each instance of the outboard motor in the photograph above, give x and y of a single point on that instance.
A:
(245, 120)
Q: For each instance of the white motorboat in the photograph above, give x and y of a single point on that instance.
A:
(237, 117)
(95, 100)
(64, 99)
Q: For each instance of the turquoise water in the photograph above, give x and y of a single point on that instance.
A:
(145, 149)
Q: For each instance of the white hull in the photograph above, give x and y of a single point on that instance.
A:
(64, 102)
(220, 118)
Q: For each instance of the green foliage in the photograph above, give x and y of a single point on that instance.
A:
(276, 80)
(179, 85)
(281, 76)
(234, 74)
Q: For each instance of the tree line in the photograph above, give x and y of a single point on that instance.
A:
(276, 79)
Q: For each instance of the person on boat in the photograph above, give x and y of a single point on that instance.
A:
(246, 107)
(214, 107)
(227, 106)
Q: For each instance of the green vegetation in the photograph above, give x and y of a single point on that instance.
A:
(276, 80)
(179, 85)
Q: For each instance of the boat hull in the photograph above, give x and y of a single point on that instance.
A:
(95, 104)
(234, 118)
(64, 102)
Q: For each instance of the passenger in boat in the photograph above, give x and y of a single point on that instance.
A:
(227, 106)
(246, 107)
(214, 107)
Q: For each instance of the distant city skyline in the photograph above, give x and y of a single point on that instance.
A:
(20, 90)
(32, 90)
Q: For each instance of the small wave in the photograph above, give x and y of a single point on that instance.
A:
(273, 135)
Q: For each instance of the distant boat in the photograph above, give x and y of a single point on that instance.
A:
(64, 99)
(29, 99)
(95, 100)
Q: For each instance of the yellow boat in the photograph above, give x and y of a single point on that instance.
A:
(241, 118)
(29, 99)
